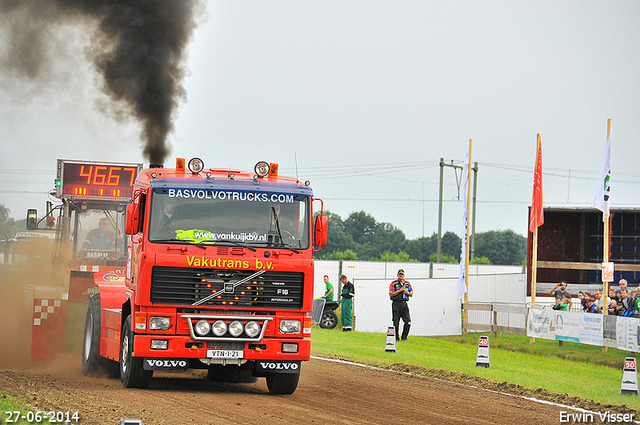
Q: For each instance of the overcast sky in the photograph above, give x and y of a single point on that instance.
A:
(363, 98)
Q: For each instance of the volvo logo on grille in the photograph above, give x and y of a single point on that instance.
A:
(228, 287)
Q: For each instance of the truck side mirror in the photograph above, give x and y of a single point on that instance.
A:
(32, 219)
(133, 219)
(321, 226)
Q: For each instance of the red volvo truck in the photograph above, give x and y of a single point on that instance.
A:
(219, 276)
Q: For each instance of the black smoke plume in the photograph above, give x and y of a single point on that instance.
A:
(138, 47)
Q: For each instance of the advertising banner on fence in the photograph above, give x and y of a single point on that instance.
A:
(565, 326)
(609, 338)
(627, 333)
(591, 328)
(540, 324)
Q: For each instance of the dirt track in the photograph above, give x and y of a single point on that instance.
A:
(329, 392)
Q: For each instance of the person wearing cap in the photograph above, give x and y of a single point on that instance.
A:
(347, 293)
(399, 292)
(101, 238)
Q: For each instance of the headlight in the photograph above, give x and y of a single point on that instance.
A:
(261, 169)
(252, 329)
(157, 323)
(290, 326)
(235, 328)
(202, 327)
(219, 328)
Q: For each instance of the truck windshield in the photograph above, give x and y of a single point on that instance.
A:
(246, 218)
(100, 235)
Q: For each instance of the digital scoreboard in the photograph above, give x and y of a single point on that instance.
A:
(95, 180)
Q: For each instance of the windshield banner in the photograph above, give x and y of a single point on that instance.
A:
(230, 195)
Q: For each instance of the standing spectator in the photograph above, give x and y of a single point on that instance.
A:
(613, 307)
(623, 284)
(399, 291)
(561, 290)
(622, 301)
(637, 306)
(328, 289)
(598, 301)
(348, 292)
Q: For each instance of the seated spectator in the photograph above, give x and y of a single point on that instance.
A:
(562, 303)
(583, 300)
(557, 305)
(591, 306)
(612, 293)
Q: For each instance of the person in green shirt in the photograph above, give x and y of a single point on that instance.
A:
(328, 291)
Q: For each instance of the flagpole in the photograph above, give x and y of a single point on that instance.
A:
(466, 258)
(605, 251)
(534, 253)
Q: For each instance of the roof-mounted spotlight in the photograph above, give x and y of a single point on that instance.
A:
(261, 168)
(231, 176)
(196, 165)
(307, 183)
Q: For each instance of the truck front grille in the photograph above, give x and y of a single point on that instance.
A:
(188, 286)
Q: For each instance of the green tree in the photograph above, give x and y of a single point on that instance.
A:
(400, 257)
(503, 247)
(480, 260)
(444, 258)
(337, 238)
(422, 248)
(8, 227)
(340, 255)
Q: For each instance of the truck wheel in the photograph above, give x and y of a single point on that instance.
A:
(92, 363)
(132, 373)
(329, 320)
(282, 383)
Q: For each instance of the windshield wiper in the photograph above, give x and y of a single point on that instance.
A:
(181, 240)
(222, 242)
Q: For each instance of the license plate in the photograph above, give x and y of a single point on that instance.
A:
(225, 354)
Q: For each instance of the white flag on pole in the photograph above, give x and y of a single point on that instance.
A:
(463, 251)
(601, 201)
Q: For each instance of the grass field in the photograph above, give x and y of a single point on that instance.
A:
(576, 370)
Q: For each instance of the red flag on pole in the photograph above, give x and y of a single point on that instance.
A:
(537, 213)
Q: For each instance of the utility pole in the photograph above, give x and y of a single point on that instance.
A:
(473, 225)
(472, 244)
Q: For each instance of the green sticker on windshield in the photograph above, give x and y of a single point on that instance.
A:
(194, 235)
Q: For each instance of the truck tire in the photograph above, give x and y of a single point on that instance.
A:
(282, 383)
(92, 363)
(329, 320)
(132, 373)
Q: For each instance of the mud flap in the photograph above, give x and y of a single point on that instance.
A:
(263, 367)
(165, 364)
